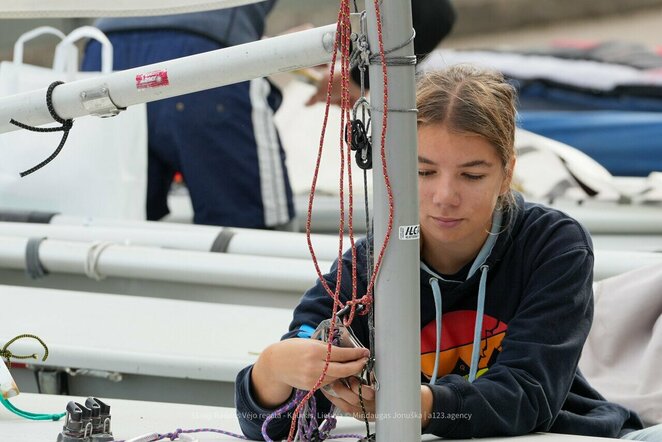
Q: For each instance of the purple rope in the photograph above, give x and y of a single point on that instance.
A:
(307, 427)
(176, 433)
(298, 396)
(307, 421)
(328, 425)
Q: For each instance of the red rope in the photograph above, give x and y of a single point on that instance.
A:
(345, 128)
(343, 34)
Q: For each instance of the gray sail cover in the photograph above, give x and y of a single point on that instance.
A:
(104, 8)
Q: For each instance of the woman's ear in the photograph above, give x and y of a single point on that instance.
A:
(507, 180)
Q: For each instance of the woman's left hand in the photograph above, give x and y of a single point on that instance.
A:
(348, 398)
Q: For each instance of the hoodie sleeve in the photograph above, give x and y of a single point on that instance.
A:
(315, 306)
(524, 389)
(251, 415)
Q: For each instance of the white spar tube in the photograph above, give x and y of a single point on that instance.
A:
(597, 217)
(174, 77)
(183, 237)
(616, 218)
(155, 264)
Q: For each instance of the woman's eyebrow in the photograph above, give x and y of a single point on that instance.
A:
(425, 160)
(476, 163)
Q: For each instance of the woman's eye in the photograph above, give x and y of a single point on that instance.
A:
(472, 177)
(425, 172)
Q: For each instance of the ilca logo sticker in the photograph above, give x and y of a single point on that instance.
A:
(409, 232)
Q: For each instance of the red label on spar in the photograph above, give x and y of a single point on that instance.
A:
(152, 79)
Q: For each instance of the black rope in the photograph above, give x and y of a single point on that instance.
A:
(65, 128)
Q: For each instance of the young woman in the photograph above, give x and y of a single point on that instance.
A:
(520, 273)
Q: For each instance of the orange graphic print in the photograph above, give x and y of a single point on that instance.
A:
(457, 343)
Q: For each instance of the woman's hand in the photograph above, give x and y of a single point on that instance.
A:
(299, 363)
(427, 404)
(320, 94)
(348, 399)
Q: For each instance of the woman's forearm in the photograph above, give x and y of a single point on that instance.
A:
(268, 391)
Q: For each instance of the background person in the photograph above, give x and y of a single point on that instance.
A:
(223, 140)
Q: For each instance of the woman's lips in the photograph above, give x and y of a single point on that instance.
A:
(446, 222)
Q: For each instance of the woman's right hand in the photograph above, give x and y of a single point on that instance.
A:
(298, 363)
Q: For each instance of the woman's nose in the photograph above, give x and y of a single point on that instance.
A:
(446, 193)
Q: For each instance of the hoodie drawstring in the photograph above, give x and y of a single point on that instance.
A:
(479, 263)
(478, 328)
(436, 294)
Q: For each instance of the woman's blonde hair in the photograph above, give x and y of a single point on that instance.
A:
(468, 99)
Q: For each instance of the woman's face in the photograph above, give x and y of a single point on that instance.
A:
(460, 178)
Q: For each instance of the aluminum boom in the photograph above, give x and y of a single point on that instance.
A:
(174, 77)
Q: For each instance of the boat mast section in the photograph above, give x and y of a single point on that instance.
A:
(397, 303)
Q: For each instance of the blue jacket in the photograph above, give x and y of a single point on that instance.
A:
(229, 27)
(537, 314)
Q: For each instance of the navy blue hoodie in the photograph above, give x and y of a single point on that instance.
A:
(538, 309)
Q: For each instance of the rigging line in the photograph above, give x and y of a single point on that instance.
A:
(374, 57)
(343, 33)
(316, 169)
(346, 120)
(367, 299)
(370, 362)
(361, 53)
(66, 125)
(343, 37)
(318, 384)
(298, 395)
(365, 413)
